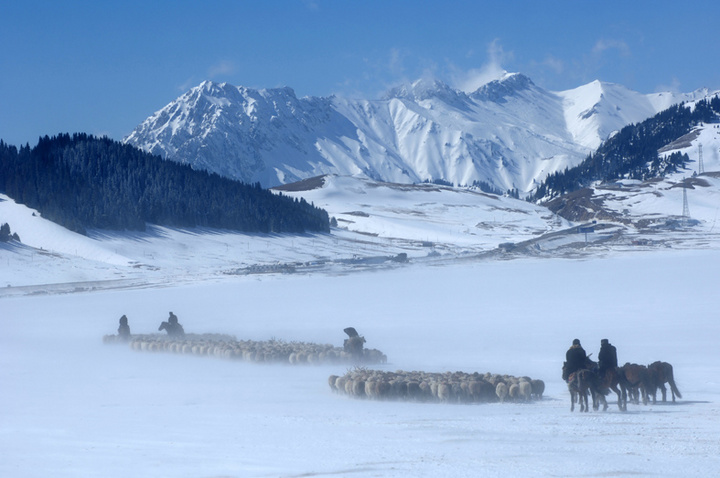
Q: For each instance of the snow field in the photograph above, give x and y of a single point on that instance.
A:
(78, 407)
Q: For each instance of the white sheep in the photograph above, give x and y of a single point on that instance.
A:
(501, 390)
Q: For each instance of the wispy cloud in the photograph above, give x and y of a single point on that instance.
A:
(311, 5)
(556, 65)
(223, 67)
(603, 45)
(673, 87)
(187, 84)
(474, 78)
(396, 64)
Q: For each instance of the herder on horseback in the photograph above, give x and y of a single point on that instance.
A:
(607, 358)
(575, 359)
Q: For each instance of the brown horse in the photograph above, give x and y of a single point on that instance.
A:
(610, 381)
(636, 380)
(660, 373)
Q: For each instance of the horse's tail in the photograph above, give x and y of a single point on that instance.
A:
(671, 381)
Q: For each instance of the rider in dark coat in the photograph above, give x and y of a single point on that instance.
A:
(173, 328)
(607, 357)
(354, 344)
(124, 328)
(575, 359)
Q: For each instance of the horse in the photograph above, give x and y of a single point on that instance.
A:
(602, 384)
(610, 380)
(636, 380)
(660, 373)
(579, 386)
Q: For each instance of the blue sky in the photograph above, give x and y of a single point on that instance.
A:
(102, 67)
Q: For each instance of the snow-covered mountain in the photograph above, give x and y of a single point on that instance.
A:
(509, 133)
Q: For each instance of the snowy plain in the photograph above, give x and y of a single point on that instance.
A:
(72, 406)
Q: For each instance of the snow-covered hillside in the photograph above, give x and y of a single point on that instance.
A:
(374, 220)
(509, 133)
(659, 204)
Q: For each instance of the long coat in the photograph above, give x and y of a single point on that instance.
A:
(575, 359)
(607, 357)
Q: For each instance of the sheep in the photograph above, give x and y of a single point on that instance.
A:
(538, 388)
(332, 379)
(358, 388)
(340, 384)
(413, 390)
(227, 347)
(444, 391)
(525, 391)
(514, 391)
(501, 390)
(371, 389)
(349, 386)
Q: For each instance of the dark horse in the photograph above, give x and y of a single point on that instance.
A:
(587, 380)
(660, 373)
(579, 385)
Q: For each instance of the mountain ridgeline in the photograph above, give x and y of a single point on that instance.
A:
(632, 153)
(507, 135)
(81, 181)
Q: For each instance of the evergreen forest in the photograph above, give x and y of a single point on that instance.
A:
(84, 182)
(632, 153)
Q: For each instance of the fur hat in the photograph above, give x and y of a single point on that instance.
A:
(604, 342)
(576, 342)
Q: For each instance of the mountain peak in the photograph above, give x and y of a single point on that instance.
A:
(422, 89)
(508, 85)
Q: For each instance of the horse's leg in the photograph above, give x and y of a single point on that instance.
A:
(624, 396)
(601, 398)
(594, 397)
(664, 392)
(622, 399)
(615, 389)
(572, 401)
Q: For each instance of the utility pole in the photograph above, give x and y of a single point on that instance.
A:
(701, 167)
(686, 209)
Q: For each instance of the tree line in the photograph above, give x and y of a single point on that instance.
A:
(632, 153)
(6, 235)
(82, 182)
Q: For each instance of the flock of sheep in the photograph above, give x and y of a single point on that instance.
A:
(268, 351)
(449, 387)
(359, 382)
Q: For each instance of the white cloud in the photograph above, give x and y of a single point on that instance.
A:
(474, 78)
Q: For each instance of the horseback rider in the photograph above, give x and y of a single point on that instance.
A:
(124, 329)
(607, 357)
(353, 345)
(575, 359)
(172, 327)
